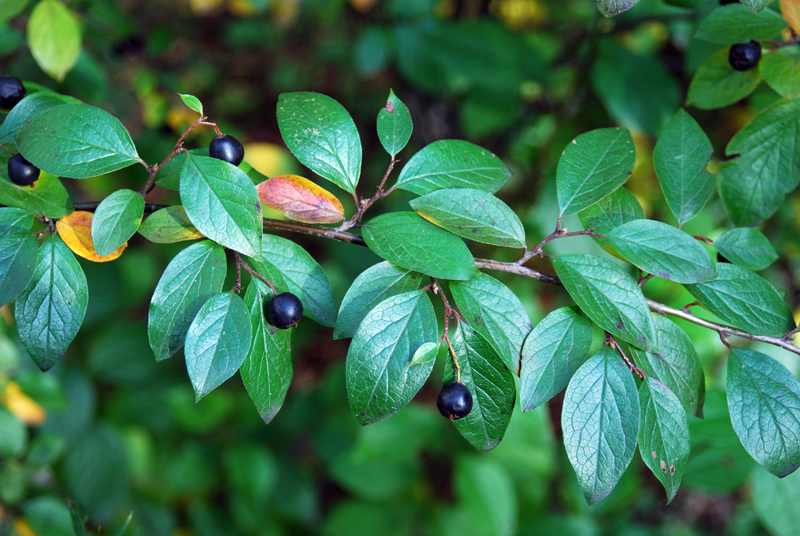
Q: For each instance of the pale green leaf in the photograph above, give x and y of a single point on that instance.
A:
(54, 38)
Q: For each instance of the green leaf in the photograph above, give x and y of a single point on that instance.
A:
(190, 279)
(18, 254)
(407, 240)
(609, 296)
(222, 203)
(680, 158)
(192, 102)
(780, 68)
(553, 351)
(746, 247)
(735, 23)
(676, 365)
(472, 214)
(116, 220)
(13, 435)
(453, 164)
(371, 287)
(592, 166)
(54, 38)
(613, 210)
(764, 401)
(290, 268)
(217, 342)
(609, 8)
(394, 125)
(425, 354)
(27, 109)
(10, 9)
(76, 141)
(169, 176)
(50, 310)
(169, 225)
(267, 370)
(768, 167)
(663, 250)
(716, 84)
(491, 384)
(744, 300)
(379, 381)
(755, 5)
(600, 421)
(48, 197)
(322, 135)
(496, 313)
(663, 435)
(15, 220)
(775, 502)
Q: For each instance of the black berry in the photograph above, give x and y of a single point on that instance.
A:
(454, 401)
(744, 56)
(227, 148)
(11, 91)
(284, 310)
(21, 172)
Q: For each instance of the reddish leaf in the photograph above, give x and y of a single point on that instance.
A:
(300, 199)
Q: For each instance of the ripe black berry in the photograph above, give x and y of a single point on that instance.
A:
(227, 148)
(11, 91)
(21, 172)
(284, 310)
(454, 401)
(744, 56)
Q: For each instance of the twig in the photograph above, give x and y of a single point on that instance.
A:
(240, 263)
(611, 342)
(363, 204)
(558, 233)
(448, 311)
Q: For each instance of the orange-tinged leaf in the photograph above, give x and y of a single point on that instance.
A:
(300, 199)
(76, 231)
(22, 406)
(790, 9)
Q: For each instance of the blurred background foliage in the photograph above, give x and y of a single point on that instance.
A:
(116, 432)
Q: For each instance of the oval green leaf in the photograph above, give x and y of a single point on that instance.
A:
(735, 23)
(716, 84)
(192, 102)
(116, 219)
(54, 38)
(169, 225)
(27, 109)
(394, 125)
(746, 247)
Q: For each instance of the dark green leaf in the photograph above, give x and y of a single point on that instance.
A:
(190, 279)
(371, 287)
(169, 225)
(322, 135)
(222, 203)
(14, 220)
(744, 300)
(663, 250)
(27, 109)
(192, 102)
(552, 353)
(116, 220)
(736, 23)
(592, 166)
(379, 381)
(169, 176)
(491, 384)
(394, 125)
(780, 69)
(54, 38)
(663, 435)
(495, 313)
(716, 84)
(764, 401)
(600, 421)
(609, 296)
(48, 197)
(609, 8)
(746, 247)
(775, 502)
(50, 311)
(453, 164)
(407, 240)
(472, 214)
(681, 155)
(609, 213)
(77, 141)
(18, 254)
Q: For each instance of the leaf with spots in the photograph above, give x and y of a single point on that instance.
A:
(394, 125)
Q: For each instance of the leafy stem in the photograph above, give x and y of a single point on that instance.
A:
(560, 232)
(363, 204)
(240, 263)
(448, 311)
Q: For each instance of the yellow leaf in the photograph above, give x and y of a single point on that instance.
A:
(22, 406)
(790, 9)
(76, 231)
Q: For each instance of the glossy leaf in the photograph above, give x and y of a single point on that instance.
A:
(735, 23)
(592, 166)
(609, 213)
(18, 254)
(609, 296)
(76, 141)
(15, 220)
(50, 310)
(407, 240)
(716, 84)
(192, 102)
(472, 214)
(744, 300)
(490, 383)
(322, 135)
(27, 109)
(299, 199)
(746, 247)
(54, 38)
(267, 370)
(222, 203)
(371, 287)
(169, 225)
(75, 230)
(190, 279)
(600, 421)
(764, 401)
(780, 69)
(46, 197)
(379, 381)
(169, 176)
(453, 164)
(663, 435)
(394, 125)
(116, 220)
(680, 158)
(553, 351)
(663, 250)
(217, 342)
(496, 313)
(425, 354)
